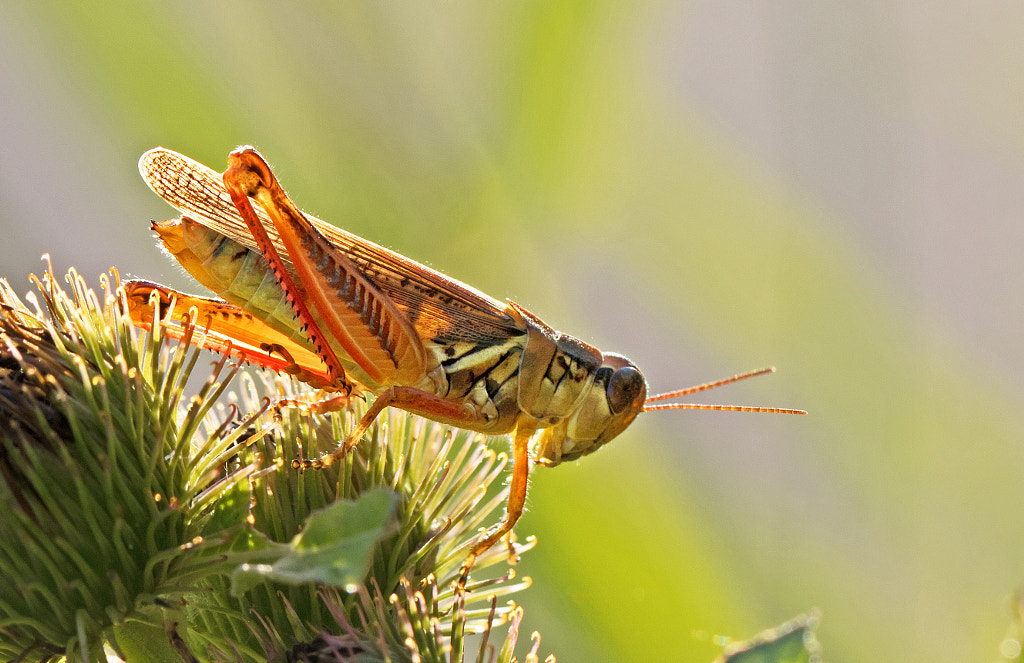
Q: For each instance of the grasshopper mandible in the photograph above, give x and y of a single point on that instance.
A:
(348, 316)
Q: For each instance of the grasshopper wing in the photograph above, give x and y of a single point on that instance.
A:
(438, 307)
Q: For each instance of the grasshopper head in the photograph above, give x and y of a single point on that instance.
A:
(611, 403)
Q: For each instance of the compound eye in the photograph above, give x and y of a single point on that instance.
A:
(625, 386)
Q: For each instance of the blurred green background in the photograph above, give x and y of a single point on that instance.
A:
(706, 187)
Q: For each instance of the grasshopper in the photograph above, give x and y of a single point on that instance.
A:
(348, 316)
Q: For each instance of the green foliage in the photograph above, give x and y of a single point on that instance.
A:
(792, 642)
(167, 527)
(103, 490)
(333, 548)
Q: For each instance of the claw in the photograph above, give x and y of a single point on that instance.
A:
(513, 552)
(467, 566)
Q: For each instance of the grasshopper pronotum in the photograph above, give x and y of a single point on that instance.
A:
(348, 316)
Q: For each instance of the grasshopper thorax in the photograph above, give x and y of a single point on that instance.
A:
(578, 396)
(609, 404)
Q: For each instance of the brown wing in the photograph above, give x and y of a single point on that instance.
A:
(438, 306)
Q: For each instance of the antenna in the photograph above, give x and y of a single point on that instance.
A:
(711, 385)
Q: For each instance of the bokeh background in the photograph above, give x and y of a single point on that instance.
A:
(707, 187)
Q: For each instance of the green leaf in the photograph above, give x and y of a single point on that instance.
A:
(230, 510)
(334, 547)
(139, 641)
(792, 642)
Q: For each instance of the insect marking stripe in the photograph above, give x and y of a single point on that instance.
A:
(501, 360)
(492, 392)
(226, 249)
(477, 356)
(475, 379)
(477, 364)
(449, 364)
(561, 378)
